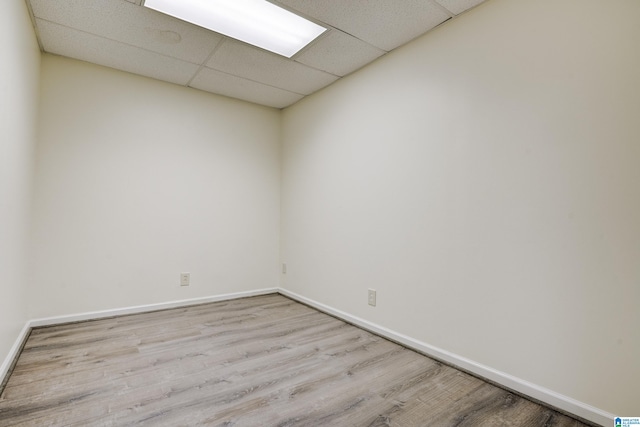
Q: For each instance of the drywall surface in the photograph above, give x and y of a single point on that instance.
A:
(484, 179)
(139, 180)
(19, 80)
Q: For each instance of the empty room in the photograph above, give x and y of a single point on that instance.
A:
(402, 213)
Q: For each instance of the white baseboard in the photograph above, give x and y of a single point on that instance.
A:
(13, 353)
(519, 385)
(145, 308)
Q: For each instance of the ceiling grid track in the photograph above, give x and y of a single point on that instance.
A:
(125, 35)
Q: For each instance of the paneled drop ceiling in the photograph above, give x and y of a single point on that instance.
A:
(124, 35)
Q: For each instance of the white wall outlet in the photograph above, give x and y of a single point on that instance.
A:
(185, 279)
(284, 268)
(372, 297)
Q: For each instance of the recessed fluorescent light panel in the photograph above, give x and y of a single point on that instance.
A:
(256, 22)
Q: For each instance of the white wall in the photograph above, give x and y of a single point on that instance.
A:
(485, 180)
(19, 77)
(138, 180)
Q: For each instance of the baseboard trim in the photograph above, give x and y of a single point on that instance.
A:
(536, 392)
(12, 357)
(92, 315)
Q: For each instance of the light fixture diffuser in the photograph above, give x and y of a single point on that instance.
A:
(256, 22)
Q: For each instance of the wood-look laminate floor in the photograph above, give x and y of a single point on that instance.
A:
(261, 361)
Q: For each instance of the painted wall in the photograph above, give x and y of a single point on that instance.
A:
(139, 180)
(19, 79)
(484, 179)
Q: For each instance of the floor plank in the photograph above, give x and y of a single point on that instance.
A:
(260, 361)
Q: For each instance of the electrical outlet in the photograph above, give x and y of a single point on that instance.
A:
(284, 268)
(372, 297)
(185, 279)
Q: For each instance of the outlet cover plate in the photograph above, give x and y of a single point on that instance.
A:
(185, 279)
(372, 297)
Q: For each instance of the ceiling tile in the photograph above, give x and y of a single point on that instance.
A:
(87, 47)
(124, 35)
(385, 24)
(458, 6)
(338, 53)
(234, 57)
(125, 22)
(237, 87)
